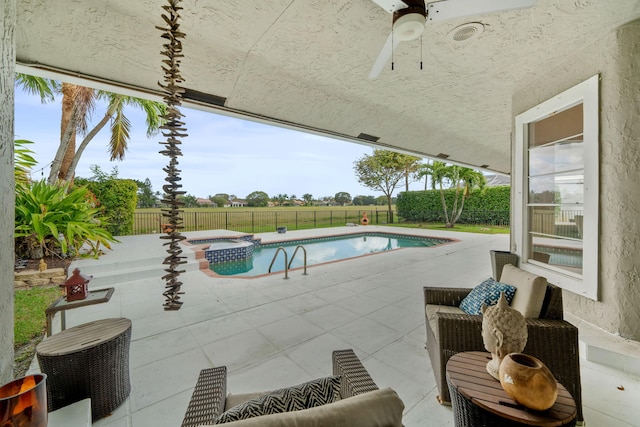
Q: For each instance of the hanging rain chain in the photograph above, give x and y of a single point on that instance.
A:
(173, 129)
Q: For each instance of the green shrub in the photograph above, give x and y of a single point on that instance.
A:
(44, 213)
(490, 206)
(117, 199)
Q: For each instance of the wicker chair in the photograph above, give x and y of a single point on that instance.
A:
(209, 396)
(551, 339)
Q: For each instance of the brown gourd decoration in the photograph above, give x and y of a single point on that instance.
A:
(173, 129)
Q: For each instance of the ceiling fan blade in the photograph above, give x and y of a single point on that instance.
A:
(383, 56)
(391, 5)
(449, 9)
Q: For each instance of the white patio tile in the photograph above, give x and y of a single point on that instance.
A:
(203, 311)
(239, 350)
(428, 412)
(305, 302)
(166, 377)
(290, 331)
(314, 356)
(270, 374)
(161, 322)
(367, 334)
(397, 318)
(334, 293)
(266, 313)
(408, 356)
(385, 375)
(163, 413)
(159, 346)
(330, 316)
(361, 304)
(212, 330)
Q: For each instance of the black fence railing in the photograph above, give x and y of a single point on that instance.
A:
(259, 221)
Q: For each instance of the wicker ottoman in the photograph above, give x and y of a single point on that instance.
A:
(88, 361)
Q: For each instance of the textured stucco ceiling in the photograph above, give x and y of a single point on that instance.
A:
(306, 62)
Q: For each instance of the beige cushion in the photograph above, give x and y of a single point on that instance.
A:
(431, 310)
(379, 408)
(236, 399)
(531, 290)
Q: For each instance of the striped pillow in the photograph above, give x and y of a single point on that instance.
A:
(303, 396)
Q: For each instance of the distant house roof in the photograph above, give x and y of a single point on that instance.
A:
(495, 180)
(239, 202)
(201, 201)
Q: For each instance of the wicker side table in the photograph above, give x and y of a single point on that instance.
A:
(89, 360)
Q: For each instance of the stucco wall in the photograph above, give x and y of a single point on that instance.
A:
(616, 57)
(7, 187)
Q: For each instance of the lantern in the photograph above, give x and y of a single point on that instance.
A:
(77, 286)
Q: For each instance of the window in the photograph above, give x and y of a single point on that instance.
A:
(556, 194)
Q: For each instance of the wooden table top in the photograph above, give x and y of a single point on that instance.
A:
(467, 373)
(82, 337)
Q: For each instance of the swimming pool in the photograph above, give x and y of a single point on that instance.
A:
(320, 250)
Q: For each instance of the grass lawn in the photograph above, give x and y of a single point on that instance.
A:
(463, 228)
(29, 308)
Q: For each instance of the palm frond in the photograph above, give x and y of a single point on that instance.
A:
(120, 129)
(44, 88)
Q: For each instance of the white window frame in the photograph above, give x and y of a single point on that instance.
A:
(585, 284)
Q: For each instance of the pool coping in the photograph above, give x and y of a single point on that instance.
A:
(199, 248)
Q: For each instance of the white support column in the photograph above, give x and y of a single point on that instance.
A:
(7, 185)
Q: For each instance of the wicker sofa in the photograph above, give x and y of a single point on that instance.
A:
(361, 403)
(551, 339)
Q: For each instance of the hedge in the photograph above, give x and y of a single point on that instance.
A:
(118, 199)
(488, 206)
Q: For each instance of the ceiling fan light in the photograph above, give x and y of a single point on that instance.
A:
(409, 26)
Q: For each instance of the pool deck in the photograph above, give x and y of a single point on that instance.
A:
(272, 332)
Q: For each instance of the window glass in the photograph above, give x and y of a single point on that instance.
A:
(556, 190)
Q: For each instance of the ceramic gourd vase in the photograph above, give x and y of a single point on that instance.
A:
(528, 381)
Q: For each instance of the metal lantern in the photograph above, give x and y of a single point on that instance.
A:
(77, 286)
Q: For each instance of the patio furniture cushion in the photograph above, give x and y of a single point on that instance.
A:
(531, 290)
(487, 293)
(303, 396)
(374, 408)
(432, 310)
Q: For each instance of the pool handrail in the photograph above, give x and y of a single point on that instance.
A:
(305, 258)
(286, 259)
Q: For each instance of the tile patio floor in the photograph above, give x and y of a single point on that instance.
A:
(272, 332)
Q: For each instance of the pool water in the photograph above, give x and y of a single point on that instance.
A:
(321, 250)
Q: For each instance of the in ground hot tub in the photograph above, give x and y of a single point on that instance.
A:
(228, 250)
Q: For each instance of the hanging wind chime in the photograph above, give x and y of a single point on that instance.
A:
(173, 129)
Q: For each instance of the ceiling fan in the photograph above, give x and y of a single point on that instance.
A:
(410, 17)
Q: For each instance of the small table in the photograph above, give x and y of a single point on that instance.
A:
(88, 361)
(479, 399)
(97, 296)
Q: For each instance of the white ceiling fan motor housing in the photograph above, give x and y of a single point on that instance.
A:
(409, 26)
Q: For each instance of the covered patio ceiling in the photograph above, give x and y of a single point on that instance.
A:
(306, 63)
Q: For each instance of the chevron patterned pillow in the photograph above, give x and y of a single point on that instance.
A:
(303, 396)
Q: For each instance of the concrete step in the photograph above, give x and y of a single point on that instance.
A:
(604, 348)
(119, 274)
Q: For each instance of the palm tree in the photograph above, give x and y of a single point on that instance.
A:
(78, 103)
(462, 179)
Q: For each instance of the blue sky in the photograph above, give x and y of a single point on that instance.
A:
(220, 155)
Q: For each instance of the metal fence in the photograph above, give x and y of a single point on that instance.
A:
(259, 221)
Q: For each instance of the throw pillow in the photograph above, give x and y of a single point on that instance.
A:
(488, 293)
(303, 396)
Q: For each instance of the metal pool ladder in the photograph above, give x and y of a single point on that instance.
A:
(287, 263)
